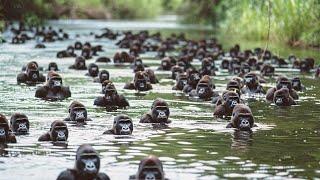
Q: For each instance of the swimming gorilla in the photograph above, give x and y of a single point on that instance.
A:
(79, 64)
(150, 168)
(282, 82)
(86, 167)
(53, 67)
(251, 84)
(193, 79)
(282, 98)
(242, 118)
(204, 89)
(93, 70)
(140, 82)
(19, 124)
(58, 132)
(297, 85)
(159, 113)
(53, 90)
(122, 125)
(111, 99)
(77, 113)
(230, 100)
(31, 76)
(181, 81)
(103, 75)
(6, 135)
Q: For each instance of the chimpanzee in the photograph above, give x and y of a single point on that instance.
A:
(122, 125)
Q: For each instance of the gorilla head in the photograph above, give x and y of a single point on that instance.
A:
(233, 85)
(204, 88)
(103, 75)
(245, 68)
(242, 117)
(175, 70)
(54, 81)
(122, 125)
(32, 71)
(251, 79)
(193, 77)
(80, 63)
(110, 93)
(78, 45)
(86, 52)
(59, 131)
(93, 70)
(160, 111)
(77, 112)
(104, 85)
(231, 99)
(181, 81)
(283, 82)
(267, 70)
(166, 64)
(4, 128)
(140, 81)
(19, 123)
(87, 162)
(53, 66)
(150, 168)
(282, 97)
(70, 50)
(296, 84)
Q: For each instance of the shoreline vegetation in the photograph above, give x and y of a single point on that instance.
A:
(295, 23)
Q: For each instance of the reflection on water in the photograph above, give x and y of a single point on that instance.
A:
(194, 146)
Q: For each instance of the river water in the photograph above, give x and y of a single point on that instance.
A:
(286, 143)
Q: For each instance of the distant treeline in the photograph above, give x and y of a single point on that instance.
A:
(296, 22)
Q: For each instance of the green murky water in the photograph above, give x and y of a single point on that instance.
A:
(285, 144)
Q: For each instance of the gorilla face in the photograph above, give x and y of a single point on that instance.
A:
(245, 122)
(160, 114)
(250, 80)
(59, 133)
(123, 126)
(93, 71)
(280, 100)
(104, 76)
(110, 93)
(181, 82)
(55, 83)
(3, 131)
(245, 69)
(70, 50)
(78, 114)
(53, 67)
(33, 75)
(140, 84)
(232, 101)
(150, 173)
(88, 163)
(194, 78)
(204, 91)
(21, 125)
(284, 84)
(296, 83)
(166, 65)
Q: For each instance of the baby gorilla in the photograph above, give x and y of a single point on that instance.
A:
(159, 113)
(122, 125)
(19, 124)
(251, 84)
(282, 82)
(204, 89)
(86, 167)
(282, 98)
(140, 82)
(103, 76)
(6, 135)
(58, 132)
(79, 64)
(111, 99)
(230, 100)
(77, 113)
(31, 76)
(242, 118)
(53, 90)
(150, 168)
(93, 70)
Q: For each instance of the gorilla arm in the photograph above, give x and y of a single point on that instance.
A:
(129, 85)
(220, 111)
(270, 94)
(41, 92)
(123, 102)
(21, 78)
(146, 118)
(45, 137)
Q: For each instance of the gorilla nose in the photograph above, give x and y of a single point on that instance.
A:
(279, 101)
(201, 90)
(90, 166)
(2, 132)
(150, 176)
(141, 85)
(233, 103)
(34, 76)
(22, 128)
(61, 136)
(244, 125)
(162, 114)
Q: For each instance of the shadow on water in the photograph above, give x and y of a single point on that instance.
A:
(194, 146)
